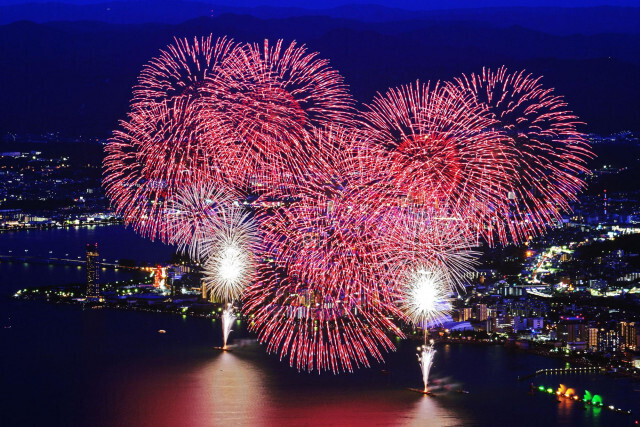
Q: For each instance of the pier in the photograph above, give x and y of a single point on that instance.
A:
(555, 371)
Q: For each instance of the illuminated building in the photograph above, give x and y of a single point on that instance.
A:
(593, 338)
(629, 335)
(492, 324)
(465, 314)
(609, 342)
(160, 277)
(572, 332)
(93, 266)
(482, 312)
(535, 323)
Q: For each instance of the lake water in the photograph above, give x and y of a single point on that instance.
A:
(69, 366)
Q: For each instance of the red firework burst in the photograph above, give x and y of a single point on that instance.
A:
(274, 95)
(440, 149)
(325, 247)
(318, 329)
(548, 153)
(329, 233)
(156, 152)
(185, 69)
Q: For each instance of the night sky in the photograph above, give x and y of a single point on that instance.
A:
(407, 4)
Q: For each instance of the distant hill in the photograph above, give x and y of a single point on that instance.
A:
(76, 77)
(554, 20)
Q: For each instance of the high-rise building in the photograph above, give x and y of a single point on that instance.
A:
(519, 323)
(492, 324)
(593, 338)
(609, 342)
(570, 332)
(93, 267)
(535, 323)
(482, 312)
(465, 314)
(629, 335)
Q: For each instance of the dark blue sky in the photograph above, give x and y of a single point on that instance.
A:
(407, 4)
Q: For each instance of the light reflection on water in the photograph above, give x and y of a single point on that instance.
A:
(238, 388)
(106, 367)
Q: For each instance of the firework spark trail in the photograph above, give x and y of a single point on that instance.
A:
(323, 304)
(227, 322)
(330, 236)
(427, 352)
(425, 236)
(316, 330)
(547, 152)
(148, 159)
(184, 69)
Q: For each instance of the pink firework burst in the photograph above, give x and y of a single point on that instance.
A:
(337, 212)
(274, 96)
(154, 154)
(324, 304)
(440, 150)
(185, 68)
(548, 153)
(318, 329)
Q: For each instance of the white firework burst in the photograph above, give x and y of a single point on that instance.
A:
(230, 253)
(192, 212)
(426, 298)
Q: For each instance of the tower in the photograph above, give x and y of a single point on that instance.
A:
(93, 287)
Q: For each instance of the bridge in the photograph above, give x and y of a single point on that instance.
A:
(34, 259)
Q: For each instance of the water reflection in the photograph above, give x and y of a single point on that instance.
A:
(230, 391)
(428, 411)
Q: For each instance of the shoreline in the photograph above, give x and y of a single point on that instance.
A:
(67, 224)
(214, 313)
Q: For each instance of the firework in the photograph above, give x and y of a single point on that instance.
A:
(426, 361)
(322, 301)
(185, 69)
(230, 249)
(430, 236)
(438, 148)
(368, 220)
(156, 152)
(330, 234)
(427, 296)
(318, 330)
(227, 322)
(274, 95)
(197, 210)
(171, 135)
(548, 153)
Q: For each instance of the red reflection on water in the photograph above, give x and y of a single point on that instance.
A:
(234, 391)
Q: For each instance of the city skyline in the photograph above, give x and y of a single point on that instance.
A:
(258, 213)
